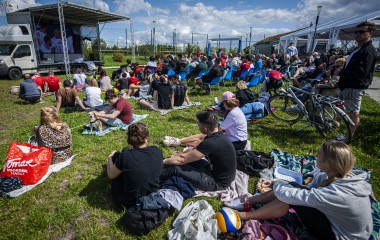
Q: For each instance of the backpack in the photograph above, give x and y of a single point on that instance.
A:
(274, 82)
(252, 162)
(139, 221)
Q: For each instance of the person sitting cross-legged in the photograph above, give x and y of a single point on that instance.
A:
(335, 205)
(192, 167)
(30, 91)
(68, 97)
(119, 113)
(135, 171)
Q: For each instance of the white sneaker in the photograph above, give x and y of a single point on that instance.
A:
(171, 141)
(235, 204)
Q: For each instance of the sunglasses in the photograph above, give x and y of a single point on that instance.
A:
(360, 31)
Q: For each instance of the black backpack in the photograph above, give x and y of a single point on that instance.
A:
(252, 162)
(139, 221)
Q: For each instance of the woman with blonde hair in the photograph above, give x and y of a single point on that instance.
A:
(55, 134)
(335, 205)
(247, 104)
(93, 94)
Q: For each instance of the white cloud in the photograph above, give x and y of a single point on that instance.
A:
(14, 5)
(97, 4)
(132, 6)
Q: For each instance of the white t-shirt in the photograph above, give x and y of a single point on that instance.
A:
(349, 57)
(40, 37)
(57, 44)
(80, 80)
(93, 96)
(44, 49)
(235, 125)
(151, 64)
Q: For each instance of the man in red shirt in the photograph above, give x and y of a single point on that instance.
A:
(122, 111)
(38, 79)
(51, 82)
(244, 66)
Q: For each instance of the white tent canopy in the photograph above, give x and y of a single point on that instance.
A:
(334, 30)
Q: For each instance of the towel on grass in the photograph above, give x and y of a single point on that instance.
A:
(52, 169)
(108, 129)
(184, 105)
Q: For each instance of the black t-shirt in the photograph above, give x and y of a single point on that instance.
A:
(164, 93)
(153, 86)
(141, 169)
(221, 153)
(179, 91)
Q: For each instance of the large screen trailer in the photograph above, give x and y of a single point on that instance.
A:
(34, 38)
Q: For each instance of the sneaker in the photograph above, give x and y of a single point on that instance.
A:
(235, 204)
(41, 101)
(171, 141)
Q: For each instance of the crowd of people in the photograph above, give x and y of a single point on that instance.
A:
(209, 163)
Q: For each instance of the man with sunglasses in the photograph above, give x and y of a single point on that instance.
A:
(357, 73)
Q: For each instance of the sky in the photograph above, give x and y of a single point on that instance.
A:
(213, 17)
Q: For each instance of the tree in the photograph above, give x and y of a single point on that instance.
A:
(103, 44)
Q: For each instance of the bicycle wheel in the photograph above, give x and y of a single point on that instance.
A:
(284, 108)
(333, 124)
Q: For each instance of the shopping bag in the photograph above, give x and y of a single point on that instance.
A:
(27, 162)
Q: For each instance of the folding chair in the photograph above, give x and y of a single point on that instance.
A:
(228, 78)
(243, 74)
(182, 75)
(171, 72)
(254, 80)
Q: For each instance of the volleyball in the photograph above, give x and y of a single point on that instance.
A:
(228, 220)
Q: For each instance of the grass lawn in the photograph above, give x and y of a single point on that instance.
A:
(77, 203)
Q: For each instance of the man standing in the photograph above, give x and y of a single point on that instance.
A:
(357, 73)
(291, 50)
(215, 174)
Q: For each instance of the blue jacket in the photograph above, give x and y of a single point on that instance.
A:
(28, 88)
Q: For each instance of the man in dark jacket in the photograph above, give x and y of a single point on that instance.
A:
(29, 91)
(357, 73)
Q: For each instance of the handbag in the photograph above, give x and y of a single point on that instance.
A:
(27, 162)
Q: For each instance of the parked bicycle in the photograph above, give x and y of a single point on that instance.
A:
(324, 112)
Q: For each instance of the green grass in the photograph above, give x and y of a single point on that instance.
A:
(108, 60)
(76, 202)
(376, 74)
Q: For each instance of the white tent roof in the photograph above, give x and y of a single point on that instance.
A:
(346, 27)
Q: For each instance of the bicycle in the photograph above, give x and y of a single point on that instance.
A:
(323, 112)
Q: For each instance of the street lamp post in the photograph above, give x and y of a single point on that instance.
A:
(154, 35)
(319, 9)
(250, 38)
(174, 40)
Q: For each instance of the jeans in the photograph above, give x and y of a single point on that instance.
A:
(253, 110)
(116, 122)
(303, 96)
(197, 173)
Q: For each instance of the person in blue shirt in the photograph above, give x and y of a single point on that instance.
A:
(29, 91)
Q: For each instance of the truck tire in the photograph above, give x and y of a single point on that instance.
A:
(14, 74)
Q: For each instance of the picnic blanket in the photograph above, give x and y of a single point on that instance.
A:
(108, 129)
(184, 105)
(52, 169)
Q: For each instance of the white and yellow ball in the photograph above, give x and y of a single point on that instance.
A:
(228, 220)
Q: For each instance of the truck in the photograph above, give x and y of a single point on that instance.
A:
(51, 38)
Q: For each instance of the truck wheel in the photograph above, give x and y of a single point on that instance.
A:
(14, 74)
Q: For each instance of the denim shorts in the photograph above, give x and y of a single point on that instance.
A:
(116, 122)
(353, 99)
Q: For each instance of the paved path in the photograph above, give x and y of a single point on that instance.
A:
(374, 90)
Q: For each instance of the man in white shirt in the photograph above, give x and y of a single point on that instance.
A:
(292, 50)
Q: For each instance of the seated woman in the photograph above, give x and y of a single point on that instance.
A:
(247, 104)
(316, 72)
(330, 86)
(133, 85)
(54, 134)
(234, 125)
(135, 171)
(105, 82)
(179, 95)
(162, 93)
(335, 205)
(93, 94)
(68, 97)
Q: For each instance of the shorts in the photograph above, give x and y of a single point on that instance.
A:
(353, 99)
(116, 122)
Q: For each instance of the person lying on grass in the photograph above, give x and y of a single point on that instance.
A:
(234, 126)
(335, 205)
(215, 174)
(119, 113)
(135, 171)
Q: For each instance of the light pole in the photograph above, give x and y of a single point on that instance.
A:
(319, 9)
(174, 40)
(250, 38)
(154, 35)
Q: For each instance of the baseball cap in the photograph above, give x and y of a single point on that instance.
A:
(315, 53)
(227, 96)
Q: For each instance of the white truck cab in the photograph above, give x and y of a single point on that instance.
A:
(17, 52)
